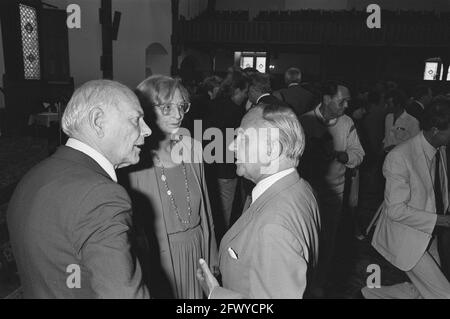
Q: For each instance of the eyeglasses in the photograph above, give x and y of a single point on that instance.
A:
(168, 108)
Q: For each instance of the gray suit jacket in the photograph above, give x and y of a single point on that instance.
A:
(67, 211)
(270, 251)
(408, 216)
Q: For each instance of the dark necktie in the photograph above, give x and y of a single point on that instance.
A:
(443, 234)
(438, 185)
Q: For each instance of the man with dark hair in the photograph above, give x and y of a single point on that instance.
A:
(225, 113)
(422, 97)
(415, 209)
(202, 101)
(399, 124)
(373, 124)
(259, 91)
(297, 97)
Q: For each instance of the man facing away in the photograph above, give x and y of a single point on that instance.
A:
(298, 98)
(272, 248)
(259, 91)
(399, 124)
(412, 230)
(69, 220)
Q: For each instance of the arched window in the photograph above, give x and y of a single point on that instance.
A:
(30, 42)
(257, 60)
(154, 55)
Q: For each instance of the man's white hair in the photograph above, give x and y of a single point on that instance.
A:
(95, 93)
(291, 135)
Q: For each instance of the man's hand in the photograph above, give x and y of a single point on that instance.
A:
(341, 157)
(206, 278)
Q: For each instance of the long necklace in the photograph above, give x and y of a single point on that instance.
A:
(170, 193)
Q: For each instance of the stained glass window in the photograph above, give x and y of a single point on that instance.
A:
(261, 64)
(30, 42)
(255, 60)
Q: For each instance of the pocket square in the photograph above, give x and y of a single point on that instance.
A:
(232, 253)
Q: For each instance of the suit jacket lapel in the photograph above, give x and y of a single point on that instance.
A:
(260, 202)
(238, 225)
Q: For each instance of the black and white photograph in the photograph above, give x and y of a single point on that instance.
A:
(232, 150)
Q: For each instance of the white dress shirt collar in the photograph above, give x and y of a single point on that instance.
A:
(96, 156)
(421, 105)
(264, 184)
(320, 116)
(265, 94)
(293, 84)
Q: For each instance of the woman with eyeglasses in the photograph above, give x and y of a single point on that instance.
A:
(170, 199)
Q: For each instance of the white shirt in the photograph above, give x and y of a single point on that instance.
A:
(96, 156)
(430, 156)
(265, 94)
(264, 184)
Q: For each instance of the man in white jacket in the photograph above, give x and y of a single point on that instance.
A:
(415, 212)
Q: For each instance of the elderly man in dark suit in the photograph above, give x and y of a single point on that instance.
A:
(271, 250)
(69, 220)
(298, 98)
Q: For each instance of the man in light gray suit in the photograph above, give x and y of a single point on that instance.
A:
(69, 221)
(414, 217)
(271, 250)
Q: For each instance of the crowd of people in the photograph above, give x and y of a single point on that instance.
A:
(172, 224)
